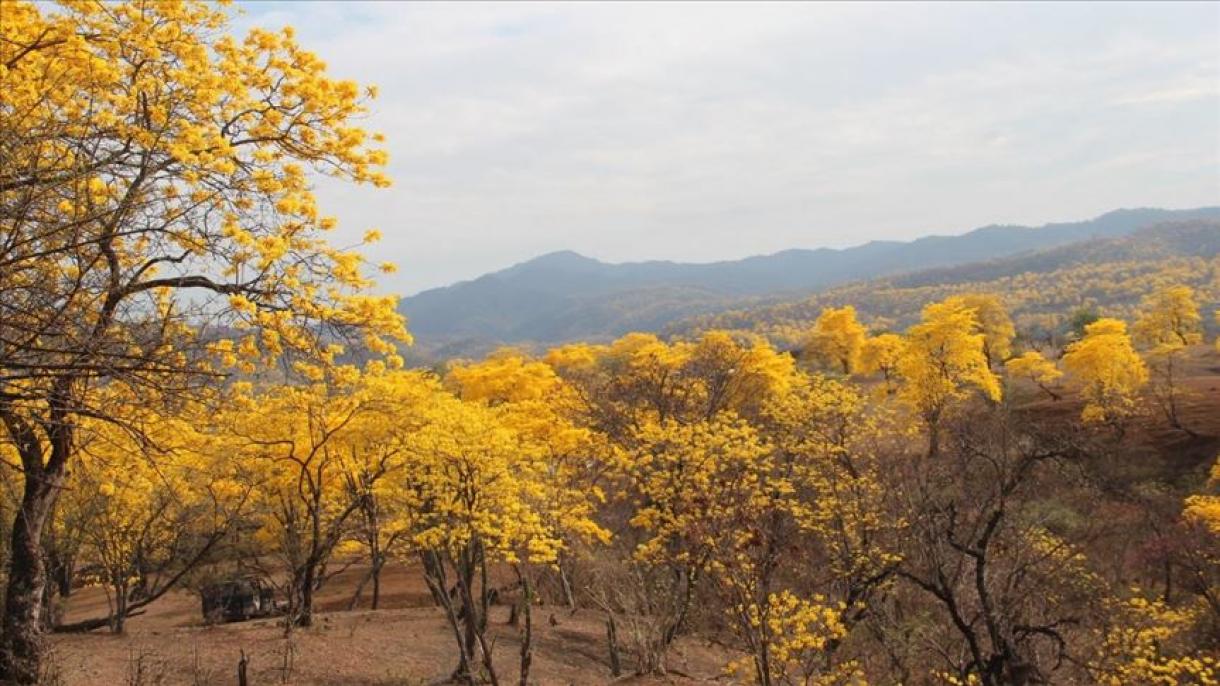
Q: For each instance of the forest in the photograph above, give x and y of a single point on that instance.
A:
(1011, 481)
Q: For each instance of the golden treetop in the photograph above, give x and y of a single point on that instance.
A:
(155, 179)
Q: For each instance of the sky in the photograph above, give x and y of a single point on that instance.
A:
(699, 132)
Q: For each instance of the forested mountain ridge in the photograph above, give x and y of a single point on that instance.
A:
(565, 296)
(1042, 289)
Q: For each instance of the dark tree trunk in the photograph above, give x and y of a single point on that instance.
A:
(305, 612)
(433, 570)
(118, 618)
(21, 642)
(434, 575)
(616, 664)
(376, 563)
(63, 577)
(527, 633)
(359, 592)
(377, 581)
(1167, 566)
(470, 621)
(474, 610)
(242, 679)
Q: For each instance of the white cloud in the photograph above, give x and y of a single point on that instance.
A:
(682, 131)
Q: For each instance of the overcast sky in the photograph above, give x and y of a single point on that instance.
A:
(702, 132)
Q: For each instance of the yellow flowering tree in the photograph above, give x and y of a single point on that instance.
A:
(1035, 368)
(800, 633)
(672, 410)
(836, 338)
(304, 443)
(815, 518)
(881, 354)
(145, 153)
(1169, 321)
(147, 522)
(1204, 509)
(1170, 316)
(1147, 643)
(1200, 554)
(994, 323)
(373, 450)
(1108, 371)
(738, 472)
(553, 466)
(491, 476)
(943, 362)
(691, 486)
(465, 509)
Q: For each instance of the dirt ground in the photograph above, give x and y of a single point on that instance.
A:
(1172, 455)
(405, 642)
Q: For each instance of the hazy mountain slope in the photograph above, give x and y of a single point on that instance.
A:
(1041, 289)
(564, 296)
(1187, 238)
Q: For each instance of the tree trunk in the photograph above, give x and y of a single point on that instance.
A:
(242, 679)
(475, 611)
(351, 604)
(566, 585)
(762, 665)
(434, 575)
(21, 642)
(933, 439)
(1167, 565)
(616, 663)
(377, 581)
(63, 577)
(1054, 396)
(305, 612)
(527, 633)
(118, 619)
(432, 570)
(463, 576)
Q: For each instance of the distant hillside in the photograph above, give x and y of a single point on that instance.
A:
(565, 296)
(1041, 289)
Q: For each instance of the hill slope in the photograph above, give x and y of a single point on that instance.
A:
(565, 296)
(1041, 289)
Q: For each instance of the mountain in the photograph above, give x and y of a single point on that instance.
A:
(1040, 289)
(1161, 241)
(565, 296)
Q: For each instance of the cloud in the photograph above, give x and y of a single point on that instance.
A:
(697, 132)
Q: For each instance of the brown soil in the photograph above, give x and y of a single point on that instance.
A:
(405, 642)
